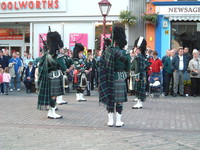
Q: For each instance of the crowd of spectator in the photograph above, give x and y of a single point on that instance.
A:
(25, 70)
(178, 69)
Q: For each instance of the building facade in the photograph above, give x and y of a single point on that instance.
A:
(23, 22)
(177, 25)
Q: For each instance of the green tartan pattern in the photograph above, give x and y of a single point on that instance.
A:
(120, 91)
(56, 85)
(140, 85)
(140, 89)
(47, 62)
(44, 98)
(106, 74)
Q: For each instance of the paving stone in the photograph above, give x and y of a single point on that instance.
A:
(171, 123)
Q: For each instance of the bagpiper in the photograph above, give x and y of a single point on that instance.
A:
(79, 76)
(50, 80)
(142, 65)
(69, 64)
(114, 65)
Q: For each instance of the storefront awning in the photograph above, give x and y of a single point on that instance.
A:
(183, 17)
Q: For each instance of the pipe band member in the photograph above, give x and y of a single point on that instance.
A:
(50, 70)
(143, 64)
(79, 78)
(114, 65)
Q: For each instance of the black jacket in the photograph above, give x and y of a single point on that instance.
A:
(4, 62)
(175, 63)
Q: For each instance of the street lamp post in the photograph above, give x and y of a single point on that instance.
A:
(104, 6)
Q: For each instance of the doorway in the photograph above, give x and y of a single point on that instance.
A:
(16, 49)
(186, 34)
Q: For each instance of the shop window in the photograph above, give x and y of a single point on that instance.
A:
(185, 34)
(27, 34)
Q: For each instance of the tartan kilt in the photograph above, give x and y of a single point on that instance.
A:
(56, 86)
(120, 91)
(141, 89)
(78, 84)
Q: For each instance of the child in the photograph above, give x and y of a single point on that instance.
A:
(1, 80)
(6, 80)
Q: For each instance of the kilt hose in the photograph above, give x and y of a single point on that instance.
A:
(141, 89)
(120, 91)
(56, 86)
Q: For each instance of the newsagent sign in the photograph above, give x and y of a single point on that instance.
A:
(20, 6)
(178, 10)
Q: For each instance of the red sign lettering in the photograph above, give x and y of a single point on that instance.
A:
(31, 4)
(25, 4)
(3, 5)
(38, 5)
(15, 6)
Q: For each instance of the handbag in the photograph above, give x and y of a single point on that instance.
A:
(194, 74)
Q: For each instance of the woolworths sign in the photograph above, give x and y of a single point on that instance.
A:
(20, 6)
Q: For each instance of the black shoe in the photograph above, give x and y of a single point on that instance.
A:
(174, 95)
(182, 95)
(195, 95)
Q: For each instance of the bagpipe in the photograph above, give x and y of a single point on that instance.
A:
(81, 75)
(65, 80)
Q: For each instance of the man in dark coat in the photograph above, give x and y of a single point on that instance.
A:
(29, 77)
(3, 60)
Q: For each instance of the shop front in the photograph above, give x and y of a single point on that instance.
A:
(178, 25)
(24, 22)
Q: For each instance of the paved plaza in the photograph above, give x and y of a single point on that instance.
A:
(167, 124)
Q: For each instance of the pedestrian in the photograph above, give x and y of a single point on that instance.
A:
(133, 73)
(156, 64)
(114, 65)
(17, 63)
(69, 64)
(1, 81)
(6, 51)
(93, 74)
(164, 71)
(187, 54)
(79, 78)
(3, 60)
(143, 64)
(179, 65)
(6, 80)
(89, 65)
(50, 76)
(169, 74)
(27, 60)
(36, 78)
(194, 67)
(97, 68)
(29, 77)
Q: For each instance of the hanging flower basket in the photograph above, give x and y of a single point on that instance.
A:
(127, 18)
(150, 18)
